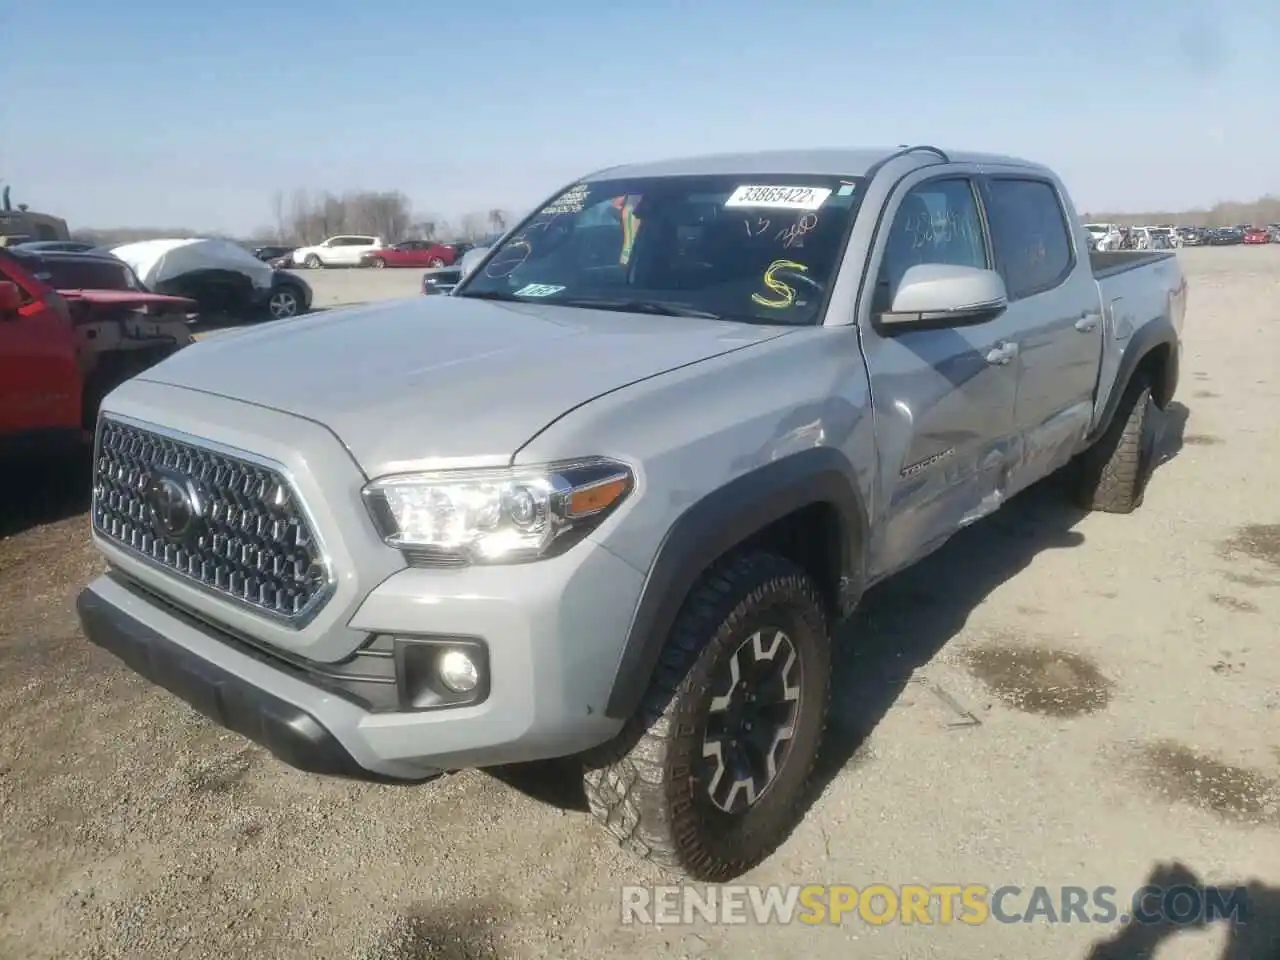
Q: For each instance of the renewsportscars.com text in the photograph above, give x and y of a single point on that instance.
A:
(929, 904)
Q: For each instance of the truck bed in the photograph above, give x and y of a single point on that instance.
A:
(1110, 262)
(1134, 288)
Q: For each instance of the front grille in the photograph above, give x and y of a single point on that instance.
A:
(232, 526)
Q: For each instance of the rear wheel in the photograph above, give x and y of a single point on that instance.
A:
(1111, 476)
(711, 775)
(313, 262)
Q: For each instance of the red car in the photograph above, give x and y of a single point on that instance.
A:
(72, 328)
(411, 253)
(1257, 235)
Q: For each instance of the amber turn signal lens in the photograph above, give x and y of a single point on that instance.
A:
(592, 499)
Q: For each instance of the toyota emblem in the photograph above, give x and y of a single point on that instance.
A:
(174, 506)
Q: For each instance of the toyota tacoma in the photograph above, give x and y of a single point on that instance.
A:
(607, 500)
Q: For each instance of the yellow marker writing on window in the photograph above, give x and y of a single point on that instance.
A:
(786, 294)
(630, 224)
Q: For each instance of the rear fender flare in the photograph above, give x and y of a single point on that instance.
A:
(1148, 338)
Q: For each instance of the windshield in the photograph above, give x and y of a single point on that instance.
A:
(753, 248)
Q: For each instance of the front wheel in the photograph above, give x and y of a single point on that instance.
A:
(712, 774)
(313, 262)
(282, 304)
(436, 262)
(378, 263)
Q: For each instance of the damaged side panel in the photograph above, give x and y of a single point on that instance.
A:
(945, 430)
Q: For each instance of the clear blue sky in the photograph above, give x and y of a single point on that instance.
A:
(192, 114)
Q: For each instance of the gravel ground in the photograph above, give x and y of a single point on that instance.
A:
(1123, 673)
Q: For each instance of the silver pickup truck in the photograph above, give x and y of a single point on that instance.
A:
(607, 499)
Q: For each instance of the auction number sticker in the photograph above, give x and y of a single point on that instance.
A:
(538, 290)
(778, 198)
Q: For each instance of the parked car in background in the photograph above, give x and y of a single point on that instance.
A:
(343, 251)
(411, 253)
(1162, 238)
(21, 224)
(436, 282)
(1105, 236)
(1256, 235)
(462, 247)
(611, 499)
(441, 281)
(222, 276)
(64, 246)
(1191, 236)
(270, 253)
(72, 328)
(84, 270)
(1226, 237)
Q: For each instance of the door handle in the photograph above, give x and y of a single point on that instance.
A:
(1002, 353)
(1087, 322)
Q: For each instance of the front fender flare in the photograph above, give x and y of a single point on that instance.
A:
(713, 526)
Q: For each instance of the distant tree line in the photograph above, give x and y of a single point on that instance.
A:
(304, 217)
(1226, 214)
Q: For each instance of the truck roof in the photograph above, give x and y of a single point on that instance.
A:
(814, 162)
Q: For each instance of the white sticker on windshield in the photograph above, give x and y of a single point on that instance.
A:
(538, 290)
(778, 198)
(571, 201)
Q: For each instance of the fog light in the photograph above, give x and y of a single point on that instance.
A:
(458, 672)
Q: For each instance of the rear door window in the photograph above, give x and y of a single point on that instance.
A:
(1029, 234)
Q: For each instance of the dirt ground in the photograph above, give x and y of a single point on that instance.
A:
(1052, 699)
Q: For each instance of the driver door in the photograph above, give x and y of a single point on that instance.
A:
(943, 396)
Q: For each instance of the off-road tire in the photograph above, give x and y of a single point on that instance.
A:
(642, 786)
(313, 262)
(1111, 476)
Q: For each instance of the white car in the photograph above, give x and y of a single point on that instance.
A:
(1105, 236)
(341, 251)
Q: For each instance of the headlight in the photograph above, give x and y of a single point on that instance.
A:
(503, 515)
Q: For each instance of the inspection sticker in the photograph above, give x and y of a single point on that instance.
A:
(778, 198)
(538, 290)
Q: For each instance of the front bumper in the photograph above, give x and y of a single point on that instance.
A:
(554, 633)
(290, 732)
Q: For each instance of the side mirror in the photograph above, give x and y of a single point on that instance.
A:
(943, 295)
(10, 297)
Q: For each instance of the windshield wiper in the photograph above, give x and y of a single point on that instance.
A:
(656, 307)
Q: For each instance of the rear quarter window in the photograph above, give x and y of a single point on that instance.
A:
(1030, 235)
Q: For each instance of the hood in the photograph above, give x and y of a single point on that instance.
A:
(437, 381)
